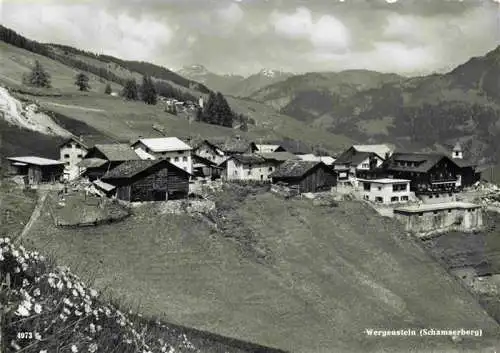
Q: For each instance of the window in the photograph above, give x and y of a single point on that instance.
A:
(404, 198)
(437, 196)
(180, 152)
(435, 212)
(379, 188)
(450, 194)
(67, 163)
(394, 199)
(163, 153)
(379, 199)
(365, 165)
(420, 214)
(79, 156)
(148, 150)
(270, 169)
(430, 196)
(449, 211)
(398, 187)
(250, 172)
(176, 159)
(66, 156)
(168, 159)
(184, 159)
(366, 186)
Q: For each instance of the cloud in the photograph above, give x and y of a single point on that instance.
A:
(408, 37)
(327, 32)
(90, 28)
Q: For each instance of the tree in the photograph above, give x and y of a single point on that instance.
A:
(130, 90)
(82, 81)
(225, 115)
(148, 90)
(108, 90)
(39, 77)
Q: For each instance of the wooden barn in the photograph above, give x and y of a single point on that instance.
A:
(37, 170)
(104, 157)
(148, 180)
(308, 176)
(205, 168)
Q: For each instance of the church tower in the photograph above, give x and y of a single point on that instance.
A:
(458, 153)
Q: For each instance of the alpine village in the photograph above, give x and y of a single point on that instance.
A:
(208, 227)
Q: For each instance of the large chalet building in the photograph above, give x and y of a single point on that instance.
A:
(359, 159)
(171, 149)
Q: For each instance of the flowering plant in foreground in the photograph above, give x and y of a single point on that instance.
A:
(51, 310)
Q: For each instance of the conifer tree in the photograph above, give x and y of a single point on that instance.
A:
(148, 91)
(130, 90)
(39, 77)
(82, 81)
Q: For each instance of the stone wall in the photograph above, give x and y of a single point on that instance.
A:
(440, 221)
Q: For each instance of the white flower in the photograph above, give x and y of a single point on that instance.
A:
(17, 270)
(38, 336)
(92, 328)
(38, 308)
(25, 282)
(93, 293)
(43, 351)
(93, 348)
(78, 313)
(52, 282)
(24, 266)
(15, 253)
(74, 292)
(74, 349)
(36, 292)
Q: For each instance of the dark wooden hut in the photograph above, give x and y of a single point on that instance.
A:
(148, 180)
(308, 176)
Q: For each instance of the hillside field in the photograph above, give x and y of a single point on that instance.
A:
(329, 274)
(127, 120)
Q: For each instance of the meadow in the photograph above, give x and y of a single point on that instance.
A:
(327, 276)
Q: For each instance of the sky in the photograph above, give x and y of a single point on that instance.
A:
(409, 37)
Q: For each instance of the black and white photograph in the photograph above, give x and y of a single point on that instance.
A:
(249, 176)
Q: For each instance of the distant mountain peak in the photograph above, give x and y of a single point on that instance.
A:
(270, 72)
(195, 68)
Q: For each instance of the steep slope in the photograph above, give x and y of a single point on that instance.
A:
(327, 275)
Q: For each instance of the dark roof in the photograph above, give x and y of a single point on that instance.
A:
(462, 163)
(130, 168)
(425, 161)
(89, 141)
(278, 156)
(352, 157)
(199, 159)
(296, 168)
(295, 147)
(249, 159)
(117, 152)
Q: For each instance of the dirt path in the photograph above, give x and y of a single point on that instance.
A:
(74, 107)
(36, 213)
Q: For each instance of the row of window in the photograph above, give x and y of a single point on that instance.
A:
(67, 156)
(449, 211)
(393, 199)
(176, 159)
(437, 195)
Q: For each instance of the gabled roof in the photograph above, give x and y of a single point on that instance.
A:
(200, 160)
(296, 168)
(249, 159)
(278, 156)
(464, 163)
(92, 162)
(35, 161)
(117, 152)
(425, 161)
(380, 150)
(165, 144)
(353, 157)
(129, 169)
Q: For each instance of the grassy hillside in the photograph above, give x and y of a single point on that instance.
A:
(326, 277)
(128, 120)
(16, 61)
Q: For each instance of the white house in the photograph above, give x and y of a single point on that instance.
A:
(172, 149)
(254, 166)
(73, 150)
(219, 151)
(386, 190)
